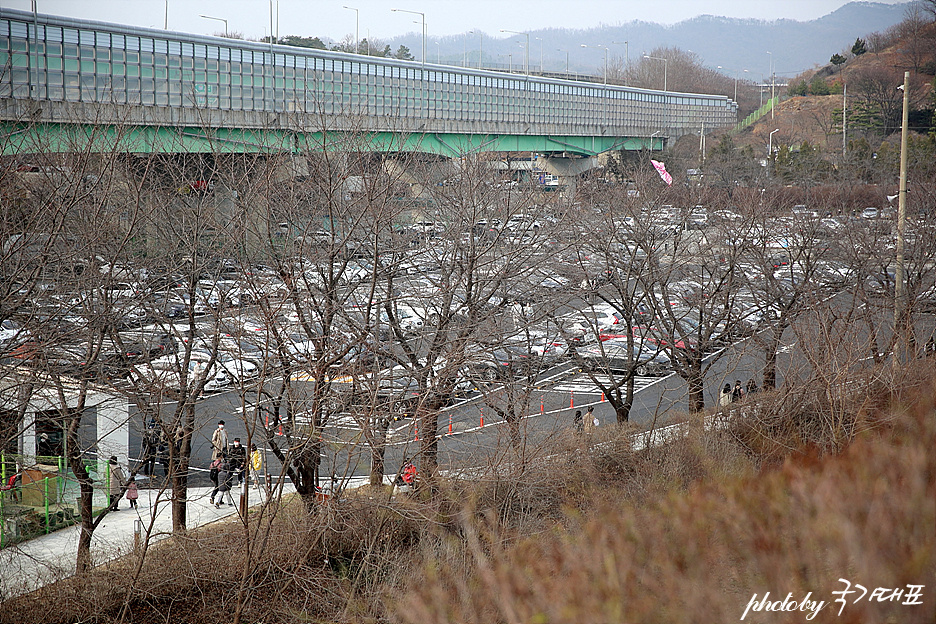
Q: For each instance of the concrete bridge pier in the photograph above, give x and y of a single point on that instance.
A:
(420, 171)
(568, 169)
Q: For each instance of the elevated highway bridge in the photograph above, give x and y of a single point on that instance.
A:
(69, 84)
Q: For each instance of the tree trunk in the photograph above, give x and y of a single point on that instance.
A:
(179, 456)
(428, 444)
(770, 356)
(86, 493)
(696, 385)
(623, 411)
(86, 528)
(378, 450)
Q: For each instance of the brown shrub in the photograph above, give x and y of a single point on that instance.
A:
(781, 500)
(867, 515)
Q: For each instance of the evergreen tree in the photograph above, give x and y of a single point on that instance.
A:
(403, 53)
(818, 86)
(859, 48)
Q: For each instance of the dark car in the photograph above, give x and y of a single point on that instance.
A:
(645, 359)
(502, 362)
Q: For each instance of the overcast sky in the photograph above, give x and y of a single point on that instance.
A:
(327, 18)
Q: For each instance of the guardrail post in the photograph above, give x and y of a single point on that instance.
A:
(46, 500)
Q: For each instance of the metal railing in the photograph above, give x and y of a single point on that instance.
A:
(41, 494)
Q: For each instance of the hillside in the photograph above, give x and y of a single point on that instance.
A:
(869, 80)
(729, 42)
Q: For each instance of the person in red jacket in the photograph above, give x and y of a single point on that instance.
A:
(409, 474)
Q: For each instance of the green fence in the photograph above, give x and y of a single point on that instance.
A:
(760, 112)
(44, 497)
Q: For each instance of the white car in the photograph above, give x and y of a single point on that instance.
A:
(411, 319)
(233, 367)
(159, 376)
(11, 333)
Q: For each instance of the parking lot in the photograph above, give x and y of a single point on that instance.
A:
(532, 313)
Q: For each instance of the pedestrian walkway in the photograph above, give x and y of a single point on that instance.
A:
(31, 564)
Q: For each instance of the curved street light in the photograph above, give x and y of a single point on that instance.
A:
(626, 58)
(567, 58)
(659, 58)
(356, 28)
(526, 53)
(220, 19)
(423, 17)
(606, 59)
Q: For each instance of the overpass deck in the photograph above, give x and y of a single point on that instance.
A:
(62, 71)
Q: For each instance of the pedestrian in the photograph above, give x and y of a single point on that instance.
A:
(162, 454)
(409, 474)
(150, 444)
(591, 421)
(115, 484)
(213, 469)
(724, 398)
(751, 387)
(14, 483)
(577, 421)
(256, 464)
(238, 457)
(225, 481)
(219, 441)
(132, 493)
(738, 393)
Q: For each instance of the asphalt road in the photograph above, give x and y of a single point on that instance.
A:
(546, 411)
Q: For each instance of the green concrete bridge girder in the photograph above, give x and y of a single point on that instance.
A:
(20, 138)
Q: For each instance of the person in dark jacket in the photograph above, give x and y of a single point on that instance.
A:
(213, 468)
(577, 421)
(751, 387)
(237, 455)
(116, 483)
(737, 393)
(225, 480)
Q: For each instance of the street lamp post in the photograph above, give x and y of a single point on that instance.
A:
(219, 19)
(526, 53)
(771, 67)
(735, 82)
(665, 99)
(770, 142)
(605, 59)
(438, 54)
(541, 53)
(357, 30)
(567, 58)
(626, 59)
(480, 47)
(659, 58)
(423, 17)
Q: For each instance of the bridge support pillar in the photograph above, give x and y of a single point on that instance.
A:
(568, 169)
(419, 171)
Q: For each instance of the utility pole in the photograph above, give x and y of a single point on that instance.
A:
(844, 113)
(900, 304)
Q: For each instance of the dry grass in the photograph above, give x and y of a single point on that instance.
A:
(808, 490)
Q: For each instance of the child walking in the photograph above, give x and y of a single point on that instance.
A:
(132, 493)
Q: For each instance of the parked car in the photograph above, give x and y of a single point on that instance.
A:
(503, 362)
(645, 359)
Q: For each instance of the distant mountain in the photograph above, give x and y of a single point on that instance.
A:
(735, 44)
